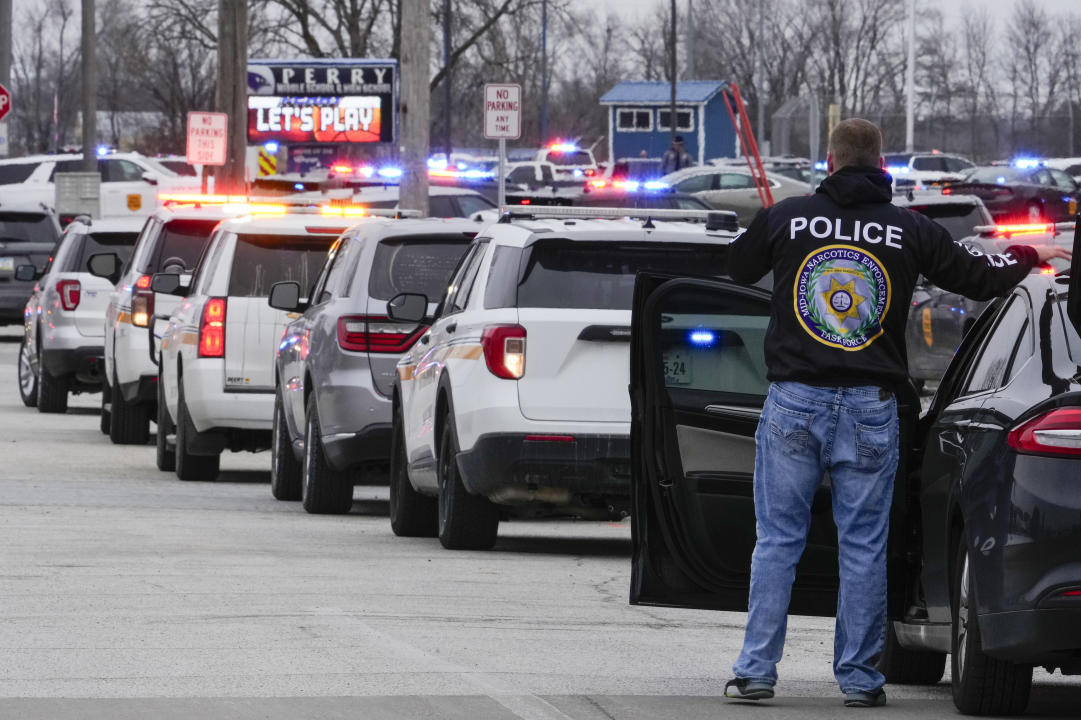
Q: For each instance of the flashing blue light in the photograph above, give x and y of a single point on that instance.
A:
(702, 338)
(656, 185)
(577, 172)
(103, 150)
(477, 174)
(897, 169)
(1026, 163)
(821, 165)
(1001, 180)
(389, 172)
(631, 186)
(271, 146)
(437, 163)
(298, 186)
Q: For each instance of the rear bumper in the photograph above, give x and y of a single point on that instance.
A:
(348, 450)
(591, 471)
(210, 406)
(1032, 636)
(85, 363)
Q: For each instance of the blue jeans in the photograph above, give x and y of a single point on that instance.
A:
(805, 431)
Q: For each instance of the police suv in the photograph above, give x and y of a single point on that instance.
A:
(516, 398)
(216, 383)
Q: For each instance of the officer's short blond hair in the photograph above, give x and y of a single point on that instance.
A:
(856, 141)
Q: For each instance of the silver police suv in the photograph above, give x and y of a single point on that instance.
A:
(28, 235)
(336, 363)
(64, 331)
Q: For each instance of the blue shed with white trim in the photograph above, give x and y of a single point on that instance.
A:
(638, 119)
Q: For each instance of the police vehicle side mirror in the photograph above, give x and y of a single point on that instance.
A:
(26, 273)
(150, 178)
(104, 265)
(168, 284)
(408, 307)
(285, 296)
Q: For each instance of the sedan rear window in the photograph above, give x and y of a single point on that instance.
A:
(600, 275)
(418, 265)
(27, 227)
(262, 260)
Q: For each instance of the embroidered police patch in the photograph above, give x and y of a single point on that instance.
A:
(841, 295)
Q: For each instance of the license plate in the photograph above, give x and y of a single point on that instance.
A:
(677, 368)
(7, 264)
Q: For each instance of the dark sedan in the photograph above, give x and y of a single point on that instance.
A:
(986, 519)
(1021, 194)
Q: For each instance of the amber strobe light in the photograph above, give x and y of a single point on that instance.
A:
(212, 329)
(142, 302)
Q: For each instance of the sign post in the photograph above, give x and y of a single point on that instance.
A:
(208, 140)
(502, 121)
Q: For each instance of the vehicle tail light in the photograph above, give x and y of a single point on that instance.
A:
(212, 329)
(1072, 593)
(71, 292)
(1025, 229)
(377, 334)
(1047, 270)
(142, 302)
(504, 350)
(1057, 432)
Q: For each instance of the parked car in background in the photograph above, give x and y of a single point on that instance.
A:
(637, 169)
(130, 182)
(1025, 193)
(732, 188)
(959, 214)
(29, 233)
(570, 161)
(515, 399)
(922, 170)
(216, 367)
(985, 523)
(336, 362)
(62, 349)
(938, 320)
(443, 201)
(171, 241)
(1070, 166)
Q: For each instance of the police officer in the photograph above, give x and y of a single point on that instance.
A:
(675, 157)
(845, 262)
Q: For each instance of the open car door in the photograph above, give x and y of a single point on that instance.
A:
(698, 385)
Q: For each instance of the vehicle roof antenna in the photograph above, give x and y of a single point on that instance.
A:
(648, 224)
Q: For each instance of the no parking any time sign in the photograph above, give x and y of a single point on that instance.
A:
(502, 111)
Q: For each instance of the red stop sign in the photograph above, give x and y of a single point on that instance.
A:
(5, 102)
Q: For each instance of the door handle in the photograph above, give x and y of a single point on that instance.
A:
(451, 327)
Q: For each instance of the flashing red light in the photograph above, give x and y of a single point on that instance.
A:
(212, 329)
(1057, 432)
(342, 169)
(70, 293)
(526, 201)
(947, 190)
(1025, 229)
(1047, 270)
(143, 282)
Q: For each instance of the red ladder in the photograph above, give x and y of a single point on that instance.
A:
(747, 143)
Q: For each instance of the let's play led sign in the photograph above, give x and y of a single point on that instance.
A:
(322, 101)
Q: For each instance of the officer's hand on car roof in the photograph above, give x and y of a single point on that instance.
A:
(1047, 252)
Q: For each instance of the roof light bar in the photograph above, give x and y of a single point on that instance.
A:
(714, 219)
(1024, 229)
(562, 147)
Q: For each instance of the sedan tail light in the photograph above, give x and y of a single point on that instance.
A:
(71, 292)
(377, 334)
(212, 329)
(504, 350)
(142, 302)
(1057, 432)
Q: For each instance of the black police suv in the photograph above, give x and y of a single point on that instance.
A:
(1025, 194)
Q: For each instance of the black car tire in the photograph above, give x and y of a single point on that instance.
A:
(982, 685)
(166, 456)
(188, 465)
(106, 402)
(285, 469)
(28, 381)
(909, 667)
(129, 422)
(52, 391)
(466, 521)
(411, 514)
(325, 491)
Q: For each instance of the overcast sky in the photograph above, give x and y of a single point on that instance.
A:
(953, 8)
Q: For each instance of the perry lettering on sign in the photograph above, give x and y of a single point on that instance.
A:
(322, 101)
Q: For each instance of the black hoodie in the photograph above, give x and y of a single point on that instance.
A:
(845, 261)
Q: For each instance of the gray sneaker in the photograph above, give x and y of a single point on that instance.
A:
(744, 689)
(865, 698)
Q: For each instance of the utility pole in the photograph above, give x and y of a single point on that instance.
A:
(910, 80)
(415, 104)
(90, 87)
(692, 65)
(447, 81)
(5, 64)
(675, 72)
(760, 85)
(544, 74)
(233, 92)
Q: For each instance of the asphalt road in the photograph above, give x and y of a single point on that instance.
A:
(126, 593)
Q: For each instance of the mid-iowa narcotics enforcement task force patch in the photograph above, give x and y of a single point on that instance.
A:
(841, 295)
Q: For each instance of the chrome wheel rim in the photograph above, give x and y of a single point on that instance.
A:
(962, 618)
(26, 372)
